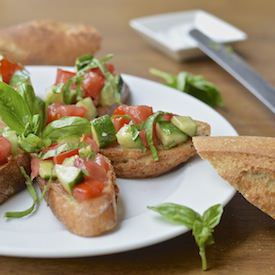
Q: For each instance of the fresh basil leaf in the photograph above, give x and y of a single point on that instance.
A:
(13, 109)
(19, 77)
(212, 216)
(149, 123)
(60, 149)
(20, 214)
(106, 58)
(177, 213)
(31, 143)
(66, 126)
(194, 85)
(83, 61)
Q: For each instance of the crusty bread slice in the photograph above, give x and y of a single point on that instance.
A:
(247, 163)
(88, 218)
(11, 179)
(48, 42)
(133, 163)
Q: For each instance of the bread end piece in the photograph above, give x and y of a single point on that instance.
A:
(247, 163)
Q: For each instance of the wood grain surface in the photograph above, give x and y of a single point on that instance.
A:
(245, 239)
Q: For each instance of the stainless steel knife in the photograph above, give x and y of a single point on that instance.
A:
(237, 67)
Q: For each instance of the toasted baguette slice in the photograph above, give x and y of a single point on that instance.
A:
(88, 218)
(133, 163)
(48, 42)
(11, 179)
(247, 163)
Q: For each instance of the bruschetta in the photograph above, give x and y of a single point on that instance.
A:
(143, 144)
(93, 89)
(247, 163)
(80, 186)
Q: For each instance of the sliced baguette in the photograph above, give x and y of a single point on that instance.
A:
(247, 163)
(133, 163)
(88, 218)
(48, 42)
(11, 179)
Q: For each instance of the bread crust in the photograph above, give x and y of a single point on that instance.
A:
(88, 218)
(11, 179)
(247, 163)
(48, 42)
(134, 163)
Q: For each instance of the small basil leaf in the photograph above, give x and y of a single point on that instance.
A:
(83, 61)
(212, 216)
(13, 109)
(66, 126)
(177, 213)
(31, 143)
(170, 79)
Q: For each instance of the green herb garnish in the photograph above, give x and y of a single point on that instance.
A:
(202, 225)
(194, 85)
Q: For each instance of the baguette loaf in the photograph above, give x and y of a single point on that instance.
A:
(134, 163)
(48, 42)
(247, 163)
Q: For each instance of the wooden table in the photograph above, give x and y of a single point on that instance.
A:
(245, 239)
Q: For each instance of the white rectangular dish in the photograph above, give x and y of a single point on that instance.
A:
(169, 32)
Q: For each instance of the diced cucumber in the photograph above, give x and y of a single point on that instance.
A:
(88, 104)
(69, 161)
(110, 95)
(169, 134)
(103, 131)
(68, 176)
(87, 152)
(46, 169)
(128, 137)
(11, 136)
(186, 124)
(53, 97)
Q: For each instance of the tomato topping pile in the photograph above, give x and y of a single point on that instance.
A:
(119, 122)
(5, 150)
(92, 84)
(137, 113)
(58, 110)
(7, 69)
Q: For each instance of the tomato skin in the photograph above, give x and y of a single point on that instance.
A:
(57, 110)
(95, 171)
(167, 117)
(137, 113)
(7, 69)
(62, 76)
(92, 84)
(5, 150)
(35, 162)
(111, 68)
(119, 122)
(101, 161)
(88, 140)
(88, 189)
(61, 157)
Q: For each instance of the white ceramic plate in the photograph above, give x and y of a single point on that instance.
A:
(195, 184)
(169, 32)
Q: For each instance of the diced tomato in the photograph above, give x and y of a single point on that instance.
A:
(101, 161)
(7, 69)
(95, 171)
(57, 110)
(137, 113)
(97, 71)
(92, 84)
(5, 150)
(142, 135)
(167, 117)
(63, 76)
(88, 189)
(88, 140)
(110, 67)
(34, 167)
(61, 157)
(119, 122)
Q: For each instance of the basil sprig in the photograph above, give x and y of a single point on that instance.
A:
(202, 225)
(195, 85)
(32, 192)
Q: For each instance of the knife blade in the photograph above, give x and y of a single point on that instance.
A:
(237, 67)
